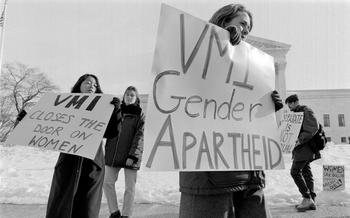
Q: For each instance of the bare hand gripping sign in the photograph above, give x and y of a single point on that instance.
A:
(210, 107)
(70, 123)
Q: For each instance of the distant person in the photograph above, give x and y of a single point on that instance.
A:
(227, 194)
(124, 148)
(303, 155)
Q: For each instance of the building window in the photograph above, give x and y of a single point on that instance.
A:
(341, 120)
(343, 139)
(329, 139)
(326, 121)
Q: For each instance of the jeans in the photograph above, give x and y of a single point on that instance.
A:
(242, 204)
(302, 175)
(111, 176)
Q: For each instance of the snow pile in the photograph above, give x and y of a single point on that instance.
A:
(26, 173)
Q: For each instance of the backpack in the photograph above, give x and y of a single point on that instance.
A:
(319, 139)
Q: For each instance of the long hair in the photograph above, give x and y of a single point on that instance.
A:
(132, 88)
(76, 87)
(225, 14)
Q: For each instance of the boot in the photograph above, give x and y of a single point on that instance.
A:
(115, 214)
(313, 196)
(306, 204)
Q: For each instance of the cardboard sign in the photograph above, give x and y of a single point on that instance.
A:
(210, 106)
(333, 178)
(70, 123)
(289, 130)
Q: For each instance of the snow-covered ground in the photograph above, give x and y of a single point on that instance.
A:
(26, 173)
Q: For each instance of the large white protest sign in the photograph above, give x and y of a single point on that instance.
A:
(333, 178)
(70, 123)
(289, 130)
(210, 106)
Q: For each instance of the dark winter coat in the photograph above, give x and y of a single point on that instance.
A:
(76, 188)
(308, 129)
(126, 139)
(218, 182)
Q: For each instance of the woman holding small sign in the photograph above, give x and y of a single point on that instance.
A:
(124, 148)
(222, 194)
(76, 188)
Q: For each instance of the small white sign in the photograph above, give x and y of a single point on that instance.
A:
(333, 177)
(289, 130)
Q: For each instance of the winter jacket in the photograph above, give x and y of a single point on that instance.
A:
(126, 138)
(219, 182)
(76, 188)
(308, 129)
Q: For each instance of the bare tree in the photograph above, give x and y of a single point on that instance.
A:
(6, 115)
(20, 87)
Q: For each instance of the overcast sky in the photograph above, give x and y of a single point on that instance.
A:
(115, 39)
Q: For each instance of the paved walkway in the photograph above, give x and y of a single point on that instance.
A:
(171, 211)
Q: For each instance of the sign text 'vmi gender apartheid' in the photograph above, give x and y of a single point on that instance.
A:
(70, 123)
(210, 106)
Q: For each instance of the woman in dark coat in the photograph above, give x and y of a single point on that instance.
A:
(124, 147)
(76, 188)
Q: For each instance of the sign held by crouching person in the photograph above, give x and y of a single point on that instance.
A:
(69, 123)
(210, 105)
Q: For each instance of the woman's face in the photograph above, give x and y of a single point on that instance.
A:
(242, 22)
(130, 97)
(89, 85)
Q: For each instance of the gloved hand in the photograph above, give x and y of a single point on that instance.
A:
(235, 35)
(277, 100)
(21, 115)
(116, 103)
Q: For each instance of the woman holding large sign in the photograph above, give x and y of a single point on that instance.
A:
(76, 188)
(124, 148)
(222, 194)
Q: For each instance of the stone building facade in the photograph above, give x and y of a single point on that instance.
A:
(332, 110)
(278, 51)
